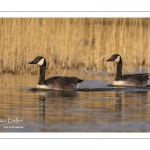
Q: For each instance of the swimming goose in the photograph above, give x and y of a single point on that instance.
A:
(56, 82)
(136, 80)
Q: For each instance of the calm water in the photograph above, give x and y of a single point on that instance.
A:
(103, 108)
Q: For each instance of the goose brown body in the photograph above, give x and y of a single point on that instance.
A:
(62, 83)
(135, 80)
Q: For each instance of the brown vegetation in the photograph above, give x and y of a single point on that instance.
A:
(74, 43)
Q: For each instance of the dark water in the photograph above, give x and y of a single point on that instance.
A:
(96, 107)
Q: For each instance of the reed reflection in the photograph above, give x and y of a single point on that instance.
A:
(136, 105)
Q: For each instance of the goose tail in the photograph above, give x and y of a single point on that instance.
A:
(79, 80)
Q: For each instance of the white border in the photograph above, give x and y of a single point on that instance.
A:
(74, 14)
(74, 5)
(80, 135)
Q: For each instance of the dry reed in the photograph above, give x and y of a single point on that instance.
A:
(74, 43)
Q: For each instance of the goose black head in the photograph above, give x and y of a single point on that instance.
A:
(39, 60)
(115, 57)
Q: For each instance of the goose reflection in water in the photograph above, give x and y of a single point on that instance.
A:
(45, 96)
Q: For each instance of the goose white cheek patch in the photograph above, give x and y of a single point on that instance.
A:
(40, 63)
(117, 59)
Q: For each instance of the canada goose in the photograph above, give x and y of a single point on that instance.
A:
(136, 80)
(56, 82)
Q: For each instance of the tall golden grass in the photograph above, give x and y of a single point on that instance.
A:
(74, 43)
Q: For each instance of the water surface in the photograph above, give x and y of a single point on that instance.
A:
(96, 107)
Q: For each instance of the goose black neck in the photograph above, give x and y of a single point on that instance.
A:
(119, 70)
(42, 75)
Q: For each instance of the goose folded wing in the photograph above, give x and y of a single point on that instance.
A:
(136, 78)
(66, 83)
(52, 79)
